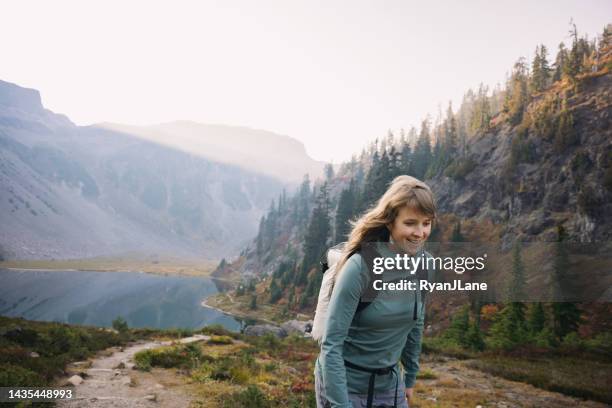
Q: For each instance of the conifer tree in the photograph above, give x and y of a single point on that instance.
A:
(560, 63)
(574, 60)
(537, 318)
(457, 236)
(459, 326)
(421, 157)
(516, 291)
(344, 213)
(481, 113)
(566, 315)
(405, 163)
(517, 93)
(473, 338)
(317, 234)
(304, 201)
(329, 172)
(540, 71)
(451, 136)
(275, 292)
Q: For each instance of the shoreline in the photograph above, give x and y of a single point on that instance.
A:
(176, 270)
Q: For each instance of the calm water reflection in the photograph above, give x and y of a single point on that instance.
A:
(96, 298)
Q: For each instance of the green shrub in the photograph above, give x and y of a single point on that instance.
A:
(143, 359)
(120, 325)
(218, 330)
(460, 168)
(252, 397)
(601, 344)
(220, 340)
(187, 356)
(426, 375)
(179, 333)
(545, 338)
(572, 341)
(15, 376)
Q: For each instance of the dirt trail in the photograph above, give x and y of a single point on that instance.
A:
(107, 385)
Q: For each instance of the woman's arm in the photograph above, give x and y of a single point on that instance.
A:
(412, 352)
(342, 306)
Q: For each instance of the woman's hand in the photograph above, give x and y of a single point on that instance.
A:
(408, 394)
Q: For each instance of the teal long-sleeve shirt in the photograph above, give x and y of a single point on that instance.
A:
(378, 336)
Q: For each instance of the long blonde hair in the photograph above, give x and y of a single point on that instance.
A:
(372, 226)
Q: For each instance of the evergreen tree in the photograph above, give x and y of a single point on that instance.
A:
(405, 164)
(318, 230)
(460, 323)
(451, 136)
(329, 172)
(473, 337)
(421, 158)
(275, 292)
(505, 332)
(395, 163)
(303, 199)
(253, 303)
(517, 93)
(481, 113)
(509, 329)
(374, 183)
(384, 173)
(516, 290)
(560, 63)
(260, 235)
(344, 213)
(540, 71)
(457, 236)
(536, 319)
(566, 315)
(574, 60)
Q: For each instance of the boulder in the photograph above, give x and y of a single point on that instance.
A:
(297, 326)
(75, 380)
(263, 329)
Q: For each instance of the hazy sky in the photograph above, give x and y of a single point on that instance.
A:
(333, 74)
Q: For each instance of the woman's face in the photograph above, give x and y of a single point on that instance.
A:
(410, 229)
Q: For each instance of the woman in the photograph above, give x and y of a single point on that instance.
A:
(359, 340)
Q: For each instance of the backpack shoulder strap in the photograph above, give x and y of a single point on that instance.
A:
(369, 294)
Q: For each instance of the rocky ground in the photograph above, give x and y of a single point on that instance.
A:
(109, 380)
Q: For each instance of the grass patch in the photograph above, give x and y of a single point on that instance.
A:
(573, 376)
(220, 340)
(180, 356)
(426, 375)
(159, 266)
(258, 372)
(442, 346)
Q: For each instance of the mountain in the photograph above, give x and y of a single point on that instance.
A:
(529, 162)
(255, 150)
(70, 192)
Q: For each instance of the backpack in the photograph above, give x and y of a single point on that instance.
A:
(329, 268)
